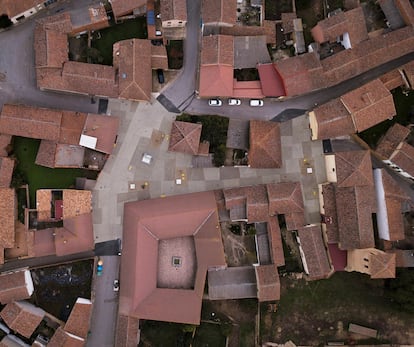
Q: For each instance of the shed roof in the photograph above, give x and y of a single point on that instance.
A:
(185, 137)
(268, 283)
(79, 318)
(257, 205)
(7, 217)
(265, 145)
(275, 241)
(104, 129)
(238, 134)
(331, 217)
(250, 51)
(173, 9)
(392, 138)
(62, 338)
(15, 286)
(219, 11)
(404, 158)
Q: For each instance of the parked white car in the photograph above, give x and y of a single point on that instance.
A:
(234, 102)
(215, 102)
(256, 102)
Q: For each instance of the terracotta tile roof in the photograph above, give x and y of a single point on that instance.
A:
(404, 158)
(235, 197)
(270, 80)
(79, 318)
(132, 59)
(5, 141)
(357, 28)
(6, 171)
(216, 80)
(267, 29)
(14, 8)
(265, 145)
(104, 129)
(173, 9)
(95, 18)
(76, 236)
(330, 217)
(294, 220)
(332, 120)
(15, 286)
(257, 205)
(22, 317)
(392, 79)
(43, 204)
(217, 49)
(159, 58)
(7, 217)
(61, 338)
(329, 29)
(46, 154)
(406, 10)
(275, 241)
(382, 265)
(355, 206)
(369, 105)
(314, 252)
(76, 202)
(59, 22)
(300, 74)
(44, 243)
(91, 79)
(391, 140)
(33, 122)
(123, 7)
(268, 283)
(219, 11)
(51, 47)
(145, 223)
(71, 127)
(185, 137)
(127, 330)
(391, 188)
(353, 168)
(284, 198)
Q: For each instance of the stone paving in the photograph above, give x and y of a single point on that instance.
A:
(145, 129)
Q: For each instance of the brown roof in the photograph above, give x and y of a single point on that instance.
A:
(15, 286)
(185, 137)
(97, 19)
(7, 217)
(406, 10)
(392, 138)
(173, 9)
(216, 80)
(287, 21)
(75, 236)
(46, 154)
(79, 318)
(22, 317)
(71, 127)
(333, 120)
(159, 58)
(51, 47)
(331, 218)
(268, 283)
(284, 198)
(14, 8)
(392, 79)
(383, 265)
(219, 11)
(123, 7)
(33, 122)
(145, 223)
(132, 59)
(44, 242)
(357, 28)
(61, 338)
(409, 72)
(234, 197)
(329, 29)
(369, 105)
(355, 206)
(265, 145)
(275, 240)
(353, 168)
(6, 171)
(294, 220)
(76, 202)
(314, 251)
(404, 158)
(257, 205)
(217, 49)
(104, 129)
(127, 330)
(5, 141)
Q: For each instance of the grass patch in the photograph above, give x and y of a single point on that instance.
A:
(209, 334)
(160, 334)
(404, 106)
(247, 334)
(39, 177)
(175, 53)
(274, 9)
(104, 39)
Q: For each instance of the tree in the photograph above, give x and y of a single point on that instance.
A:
(401, 289)
(5, 21)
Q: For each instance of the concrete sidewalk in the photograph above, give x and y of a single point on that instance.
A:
(145, 128)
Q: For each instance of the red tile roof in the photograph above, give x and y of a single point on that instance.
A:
(268, 283)
(382, 265)
(145, 223)
(275, 241)
(173, 9)
(284, 198)
(61, 338)
(51, 47)
(329, 29)
(6, 171)
(26, 121)
(15, 286)
(404, 158)
(353, 168)
(219, 11)
(127, 330)
(294, 220)
(71, 127)
(7, 217)
(265, 145)
(314, 251)
(338, 257)
(392, 79)
(391, 140)
(79, 318)
(355, 206)
(5, 141)
(185, 137)
(104, 129)
(22, 317)
(132, 59)
(257, 205)
(270, 80)
(406, 10)
(44, 242)
(330, 216)
(124, 7)
(159, 58)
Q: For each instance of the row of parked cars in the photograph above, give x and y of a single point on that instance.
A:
(235, 102)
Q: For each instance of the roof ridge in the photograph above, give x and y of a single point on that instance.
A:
(203, 222)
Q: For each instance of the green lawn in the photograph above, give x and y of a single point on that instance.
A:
(38, 177)
(105, 38)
